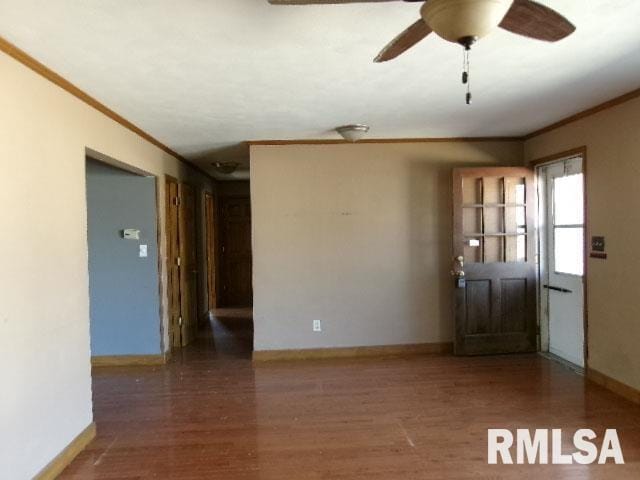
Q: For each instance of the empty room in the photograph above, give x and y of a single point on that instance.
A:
(320, 239)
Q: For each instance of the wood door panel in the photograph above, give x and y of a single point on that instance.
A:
(172, 254)
(478, 300)
(238, 237)
(514, 305)
(494, 231)
(236, 258)
(494, 344)
(238, 277)
(188, 263)
(211, 242)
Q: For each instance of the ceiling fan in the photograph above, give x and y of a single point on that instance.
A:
(466, 21)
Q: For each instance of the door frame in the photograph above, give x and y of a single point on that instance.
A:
(189, 327)
(536, 164)
(160, 238)
(168, 179)
(211, 247)
(159, 183)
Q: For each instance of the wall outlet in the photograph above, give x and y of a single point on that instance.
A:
(317, 326)
(143, 251)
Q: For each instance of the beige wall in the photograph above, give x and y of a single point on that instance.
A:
(45, 399)
(358, 236)
(612, 138)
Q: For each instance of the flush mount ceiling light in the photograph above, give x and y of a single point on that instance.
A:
(226, 167)
(466, 21)
(353, 133)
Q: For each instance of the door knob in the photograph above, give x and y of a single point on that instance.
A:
(458, 265)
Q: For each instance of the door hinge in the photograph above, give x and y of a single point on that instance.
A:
(179, 321)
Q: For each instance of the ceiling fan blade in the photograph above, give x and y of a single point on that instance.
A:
(403, 42)
(533, 20)
(322, 2)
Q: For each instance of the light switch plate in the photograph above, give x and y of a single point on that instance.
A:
(143, 251)
(317, 326)
(131, 234)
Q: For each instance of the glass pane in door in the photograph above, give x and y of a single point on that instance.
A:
(568, 200)
(569, 250)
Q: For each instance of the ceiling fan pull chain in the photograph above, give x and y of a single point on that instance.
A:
(466, 79)
(465, 67)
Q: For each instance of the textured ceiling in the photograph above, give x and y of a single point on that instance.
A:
(203, 75)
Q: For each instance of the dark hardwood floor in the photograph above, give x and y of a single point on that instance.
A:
(210, 414)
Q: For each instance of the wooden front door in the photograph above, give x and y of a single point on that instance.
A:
(494, 269)
(188, 264)
(172, 200)
(236, 256)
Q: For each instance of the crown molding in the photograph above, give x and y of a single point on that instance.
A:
(582, 151)
(614, 102)
(384, 140)
(28, 61)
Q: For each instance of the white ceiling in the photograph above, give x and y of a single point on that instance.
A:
(203, 75)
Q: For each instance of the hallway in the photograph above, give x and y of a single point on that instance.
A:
(211, 414)
(229, 334)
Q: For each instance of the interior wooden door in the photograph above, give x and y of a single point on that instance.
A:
(236, 255)
(494, 266)
(173, 263)
(210, 232)
(188, 264)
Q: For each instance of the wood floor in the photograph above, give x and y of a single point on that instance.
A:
(210, 414)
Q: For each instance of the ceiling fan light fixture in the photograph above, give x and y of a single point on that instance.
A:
(353, 133)
(226, 168)
(464, 21)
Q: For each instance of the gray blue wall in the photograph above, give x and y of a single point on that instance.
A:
(123, 288)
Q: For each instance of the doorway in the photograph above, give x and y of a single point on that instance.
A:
(561, 218)
(230, 269)
(122, 226)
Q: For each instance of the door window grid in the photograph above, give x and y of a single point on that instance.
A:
(494, 220)
(568, 224)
